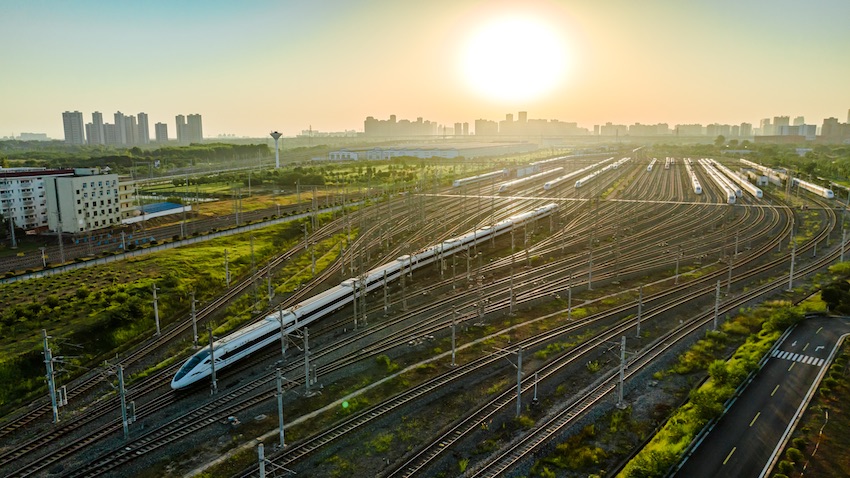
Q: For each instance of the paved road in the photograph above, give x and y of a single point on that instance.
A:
(745, 437)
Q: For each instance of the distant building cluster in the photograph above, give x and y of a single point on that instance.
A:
(392, 128)
(465, 150)
(67, 200)
(127, 130)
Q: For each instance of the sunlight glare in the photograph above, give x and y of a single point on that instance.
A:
(514, 59)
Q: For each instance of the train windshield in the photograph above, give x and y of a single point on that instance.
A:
(192, 363)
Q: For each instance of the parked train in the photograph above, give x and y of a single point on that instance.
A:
(551, 184)
(516, 182)
(814, 188)
(481, 177)
(243, 342)
(649, 168)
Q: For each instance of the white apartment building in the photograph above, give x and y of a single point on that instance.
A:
(84, 202)
(23, 197)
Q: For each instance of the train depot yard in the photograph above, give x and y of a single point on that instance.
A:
(534, 316)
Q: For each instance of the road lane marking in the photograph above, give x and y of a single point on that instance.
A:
(756, 417)
(730, 454)
(792, 366)
(819, 330)
(805, 346)
(774, 390)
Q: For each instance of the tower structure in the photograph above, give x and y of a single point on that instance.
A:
(276, 137)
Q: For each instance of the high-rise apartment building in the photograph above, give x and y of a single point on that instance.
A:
(74, 129)
(195, 130)
(746, 129)
(799, 120)
(765, 127)
(144, 134)
(780, 121)
(94, 130)
(161, 132)
(485, 127)
(131, 130)
(189, 129)
(22, 195)
(120, 128)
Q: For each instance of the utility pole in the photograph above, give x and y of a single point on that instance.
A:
(214, 385)
(156, 308)
(620, 403)
(454, 327)
(61, 245)
(226, 269)
(843, 240)
(386, 299)
(51, 379)
(12, 230)
(282, 333)
(716, 303)
(194, 322)
(518, 381)
(280, 406)
(639, 310)
(678, 257)
(307, 391)
(269, 282)
(261, 457)
(570, 298)
(123, 394)
(791, 274)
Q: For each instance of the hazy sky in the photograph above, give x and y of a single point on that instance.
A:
(252, 66)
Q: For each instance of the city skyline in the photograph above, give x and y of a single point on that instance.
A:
(249, 68)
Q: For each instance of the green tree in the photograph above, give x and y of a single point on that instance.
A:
(720, 140)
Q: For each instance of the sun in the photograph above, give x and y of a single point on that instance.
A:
(514, 59)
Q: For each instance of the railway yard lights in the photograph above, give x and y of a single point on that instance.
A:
(156, 308)
(214, 385)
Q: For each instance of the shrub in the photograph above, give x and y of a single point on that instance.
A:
(794, 455)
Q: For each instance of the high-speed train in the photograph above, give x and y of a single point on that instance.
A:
(243, 342)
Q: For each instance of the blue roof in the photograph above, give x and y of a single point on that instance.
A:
(159, 207)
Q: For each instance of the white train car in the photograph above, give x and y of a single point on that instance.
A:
(742, 182)
(651, 164)
(516, 182)
(814, 188)
(554, 182)
(481, 177)
(267, 331)
(723, 184)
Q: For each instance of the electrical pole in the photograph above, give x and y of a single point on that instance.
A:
(843, 239)
(678, 257)
(156, 308)
(261, 456)
(214, 385)
(51, 379)
(386, 299)
(307, 391)
(570, 298)
(123, 394)
(519, 381)
(791, 274)
(226, 269)
(639, 310)
(716, 303)
(282, 332)
(280, 406)
(454, 327)
(194, 322)
(620, 403)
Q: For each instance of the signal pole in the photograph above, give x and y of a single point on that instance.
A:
(280, 406)
(194, 321)
(123, 393)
